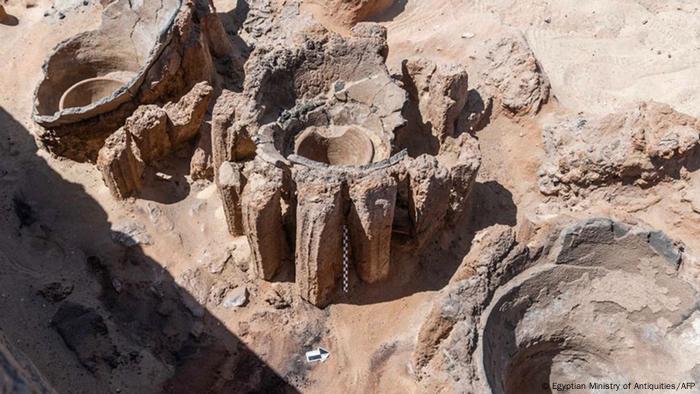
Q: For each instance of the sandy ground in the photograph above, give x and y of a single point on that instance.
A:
(598, 55)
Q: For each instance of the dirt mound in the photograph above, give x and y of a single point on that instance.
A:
(642, 145)
(343, 14)
(515, 77)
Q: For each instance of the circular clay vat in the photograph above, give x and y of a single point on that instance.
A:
(88, 91)
(89, 66)
(611, 309)
(335, 145)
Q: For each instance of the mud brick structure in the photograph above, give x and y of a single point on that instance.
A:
(133, 90)
(563, 304)
(319, 140)
(310, 147)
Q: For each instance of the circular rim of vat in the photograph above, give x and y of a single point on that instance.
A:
(84, 82)
(308, 133)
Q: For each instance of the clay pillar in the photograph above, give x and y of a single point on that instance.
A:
(373, 200)
(230, 139)
(462, 175)
(262, 223)
(319, 242)
(121, 166)
(429, 196)
(231, 182)
(222, 118)
(148, 128)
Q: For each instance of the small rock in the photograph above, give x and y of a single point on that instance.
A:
(517, 82)
(197, 329)
(548, 20)
(277, 300)
(154, 212)
(56, 291)
(130, 234)
(217, 265)
(117, 285)
(159, 218)
(85, 333)
(243, 328)
(218, 292)
(195, 287)
(163, 176)
(237, 297)
(468, 35)
(196, 283)
(241, 253)
(195, 309)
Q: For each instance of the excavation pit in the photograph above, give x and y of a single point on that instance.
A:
(605, 302)
(580, 328)
(579, 319)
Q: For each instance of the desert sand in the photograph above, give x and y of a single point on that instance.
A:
(152, 269)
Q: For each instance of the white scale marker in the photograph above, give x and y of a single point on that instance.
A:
(317, 355)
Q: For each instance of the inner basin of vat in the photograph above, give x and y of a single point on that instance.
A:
(584, 324)
(91, 90)
(336, 145)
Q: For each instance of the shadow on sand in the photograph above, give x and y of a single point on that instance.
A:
(489, 204)
(92, 314)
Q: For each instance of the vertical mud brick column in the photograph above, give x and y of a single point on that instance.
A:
(319, 228)
(373, 199)
(262, 220)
